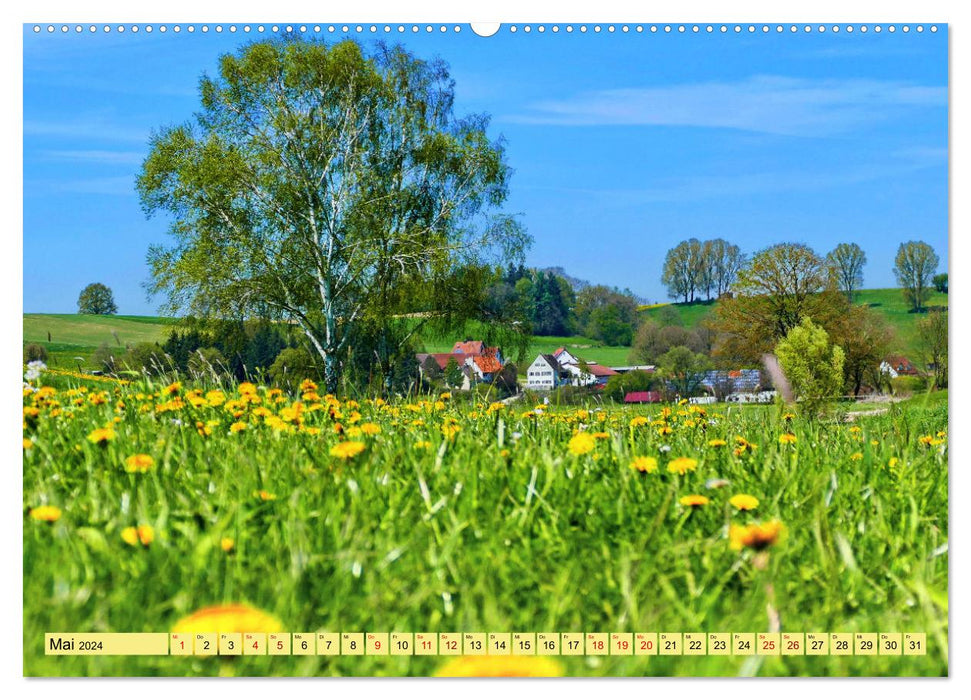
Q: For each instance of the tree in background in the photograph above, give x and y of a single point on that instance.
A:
(914, 267)
(453, 373)
(330, 188)
(606, 314)
(866, 338)
(550, 307)
(846, 263)
(97, 299)
(683, 370)
(723, 260)
(653, 340)
(682, 273)
(932, 339)
(940, 282)
(813, 365)
(778, 288)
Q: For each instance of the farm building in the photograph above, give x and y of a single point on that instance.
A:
(642, 397)
(477, 362)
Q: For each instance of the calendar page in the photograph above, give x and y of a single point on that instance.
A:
(536, 349)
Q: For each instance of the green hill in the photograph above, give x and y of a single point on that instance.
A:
(67, 336)
(888, 302)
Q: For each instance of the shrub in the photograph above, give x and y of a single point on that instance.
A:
(146, 358)
(292, 366)
(812, 364)
(34, 352)
(907, 384)
(107, 359)
(207, 363)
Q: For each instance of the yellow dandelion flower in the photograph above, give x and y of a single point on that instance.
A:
(638, 421)
(172, 388)
(756, 536)
(892, 462)
(743, 501)
(664, 430)
(601, 435)
(139, 463)
(47, 514)
(717, 442)
(232, 617)
(354, 431)
(347, 450)
(370, 428)
(28, 443)
(856, 456)
(787, 439)
(500, 666)
(143, 535)
(647, 465)
(237, 427)
(693, 501)
(101, 436)
(582, 443)
(227, 544)
(422, 445)
(926, 439)
(246, 388)
(264, 495)
(682, 465)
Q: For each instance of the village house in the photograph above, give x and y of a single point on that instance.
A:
(477, 362)
(545, 373)
(897, 365)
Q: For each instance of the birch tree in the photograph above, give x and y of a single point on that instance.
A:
(331, 188)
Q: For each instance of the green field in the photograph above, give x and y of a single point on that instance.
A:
(586, 348)
(890, 303)
(67, 336)
(454, 517)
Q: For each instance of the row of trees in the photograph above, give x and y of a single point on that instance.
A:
(694, 267)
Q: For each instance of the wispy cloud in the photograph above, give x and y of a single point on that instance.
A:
(116, 186)
(97, 157)
(704, 186)
(765, 104)
(93, 129)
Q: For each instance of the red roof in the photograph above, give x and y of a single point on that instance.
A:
(442, 358)
(642, 397)
(469, 347)
(487, 363)
(558, 351)
(601, 371)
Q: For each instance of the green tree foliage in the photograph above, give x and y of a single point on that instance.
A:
(914, 267)
(550, 305)
(607, 314)
(248, 348)
(940, 282)
(932, 336)
(619, 385)
(291, 366)
(331, 187)
(813, 365)
(683, 370)
(866, 338)
(146, 359)
(653, 340)
(693, 267)
(846, 263)
(453, 374)
(97, 299)
(778, 288)
(207, 364)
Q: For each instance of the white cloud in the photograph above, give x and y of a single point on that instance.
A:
(100, 157)
(766, 104)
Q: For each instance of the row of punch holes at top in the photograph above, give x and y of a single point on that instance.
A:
(512, 28)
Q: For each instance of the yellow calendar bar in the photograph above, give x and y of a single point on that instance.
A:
(265, 645)
(106, 644)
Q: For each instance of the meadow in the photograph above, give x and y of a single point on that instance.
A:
(145, 503)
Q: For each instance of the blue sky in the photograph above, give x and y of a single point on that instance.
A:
(622, 144)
